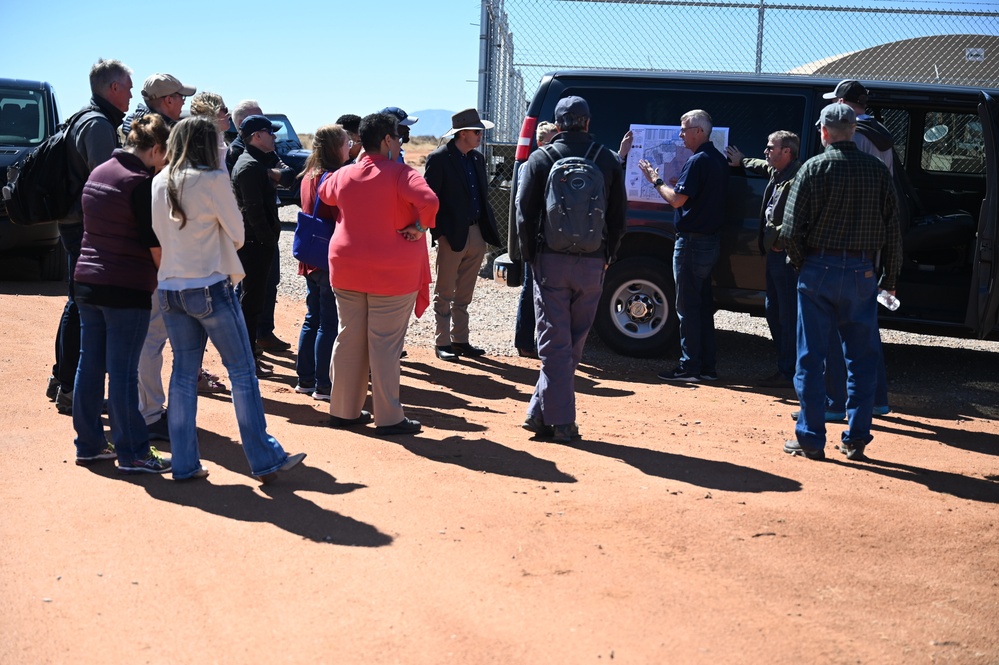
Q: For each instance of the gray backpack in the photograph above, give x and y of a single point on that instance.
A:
(575, 202)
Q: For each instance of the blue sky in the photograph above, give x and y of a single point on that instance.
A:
(310, 60)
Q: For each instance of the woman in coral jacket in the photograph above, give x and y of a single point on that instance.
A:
(380, 272)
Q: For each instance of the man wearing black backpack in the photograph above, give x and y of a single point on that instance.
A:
(568, 258)
(92, 137)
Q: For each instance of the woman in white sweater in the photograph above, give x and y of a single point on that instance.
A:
(199, 227)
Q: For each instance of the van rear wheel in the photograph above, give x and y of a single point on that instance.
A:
(636, 316)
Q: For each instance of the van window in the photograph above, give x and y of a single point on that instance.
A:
(751, 115)
(953, 143)
(897, 122)
(22, 117)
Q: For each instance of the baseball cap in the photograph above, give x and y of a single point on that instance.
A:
(161, 85)
(577, 106)
(255, 123)
(400, 115)
(849, 90)
(836, 115)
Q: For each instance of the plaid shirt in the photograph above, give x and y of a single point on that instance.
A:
(844, 199)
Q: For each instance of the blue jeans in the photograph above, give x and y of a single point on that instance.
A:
(110, 342)
(67, 342)
(523, 336)
(836, 293)
(694, 257)
(319, 329)
(566, 294)
(836, 377)
(782, 310)
(192, 317)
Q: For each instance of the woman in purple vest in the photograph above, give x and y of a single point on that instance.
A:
(115, 278)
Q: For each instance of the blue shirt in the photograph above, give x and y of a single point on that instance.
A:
(703, 179)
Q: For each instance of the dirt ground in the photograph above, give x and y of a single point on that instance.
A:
(676, 531)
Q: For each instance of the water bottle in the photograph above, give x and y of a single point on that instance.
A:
(888, 300)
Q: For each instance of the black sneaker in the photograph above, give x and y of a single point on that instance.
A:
(795, 449)
(87, 460)
(154, 462)
(305, 387)
(708, 375)
(64, 402)
(565, 433)
(538, 427)
(52, 389)
(679, 375)
(852, 449)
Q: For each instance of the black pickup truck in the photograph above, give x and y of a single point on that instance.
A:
(28, 115)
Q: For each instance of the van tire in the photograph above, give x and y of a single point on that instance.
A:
(636, 315)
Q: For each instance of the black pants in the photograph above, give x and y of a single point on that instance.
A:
(256, 259)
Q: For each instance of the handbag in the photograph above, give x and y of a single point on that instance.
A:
(311, 245)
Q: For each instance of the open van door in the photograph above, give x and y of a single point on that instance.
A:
(983, 305)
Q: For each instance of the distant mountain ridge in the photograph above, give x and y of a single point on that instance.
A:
(432, 122)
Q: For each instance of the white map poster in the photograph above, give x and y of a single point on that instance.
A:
(661, 145)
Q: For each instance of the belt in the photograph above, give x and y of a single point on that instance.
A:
(845, 253)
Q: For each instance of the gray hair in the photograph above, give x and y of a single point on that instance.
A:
(243, 110)
(104, 73)
(698, 118)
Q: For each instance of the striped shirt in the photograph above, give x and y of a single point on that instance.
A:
(843, 199)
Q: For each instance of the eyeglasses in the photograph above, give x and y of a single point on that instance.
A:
(684, 130)
(477, 132)
(350, 143)
(771, 148)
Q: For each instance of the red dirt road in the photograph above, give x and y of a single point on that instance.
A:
(676, 531)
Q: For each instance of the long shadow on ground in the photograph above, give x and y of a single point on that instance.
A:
(695, 471)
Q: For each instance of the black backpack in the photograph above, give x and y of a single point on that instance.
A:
(42, 189)
(575, 202)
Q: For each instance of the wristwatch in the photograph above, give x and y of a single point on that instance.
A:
(658, 182)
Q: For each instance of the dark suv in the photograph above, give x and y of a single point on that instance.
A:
(289, 149)
(28, 115)
(945, 137)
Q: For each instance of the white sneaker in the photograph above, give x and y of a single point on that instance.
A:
(321, 396)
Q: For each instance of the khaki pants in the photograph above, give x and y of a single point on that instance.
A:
(371, 336)
(456, 275)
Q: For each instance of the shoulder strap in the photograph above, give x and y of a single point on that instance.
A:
(593, 151)
(315, 205)
(548, 153)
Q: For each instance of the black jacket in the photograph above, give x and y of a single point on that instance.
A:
(445, 174)
(531, 194)
(256, 197)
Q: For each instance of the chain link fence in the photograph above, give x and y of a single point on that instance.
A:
(936, 41)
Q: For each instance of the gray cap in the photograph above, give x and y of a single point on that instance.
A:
(837, 116)
(577, 106)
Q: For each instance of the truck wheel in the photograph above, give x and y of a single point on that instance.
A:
(636, 316)
(52, 264)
